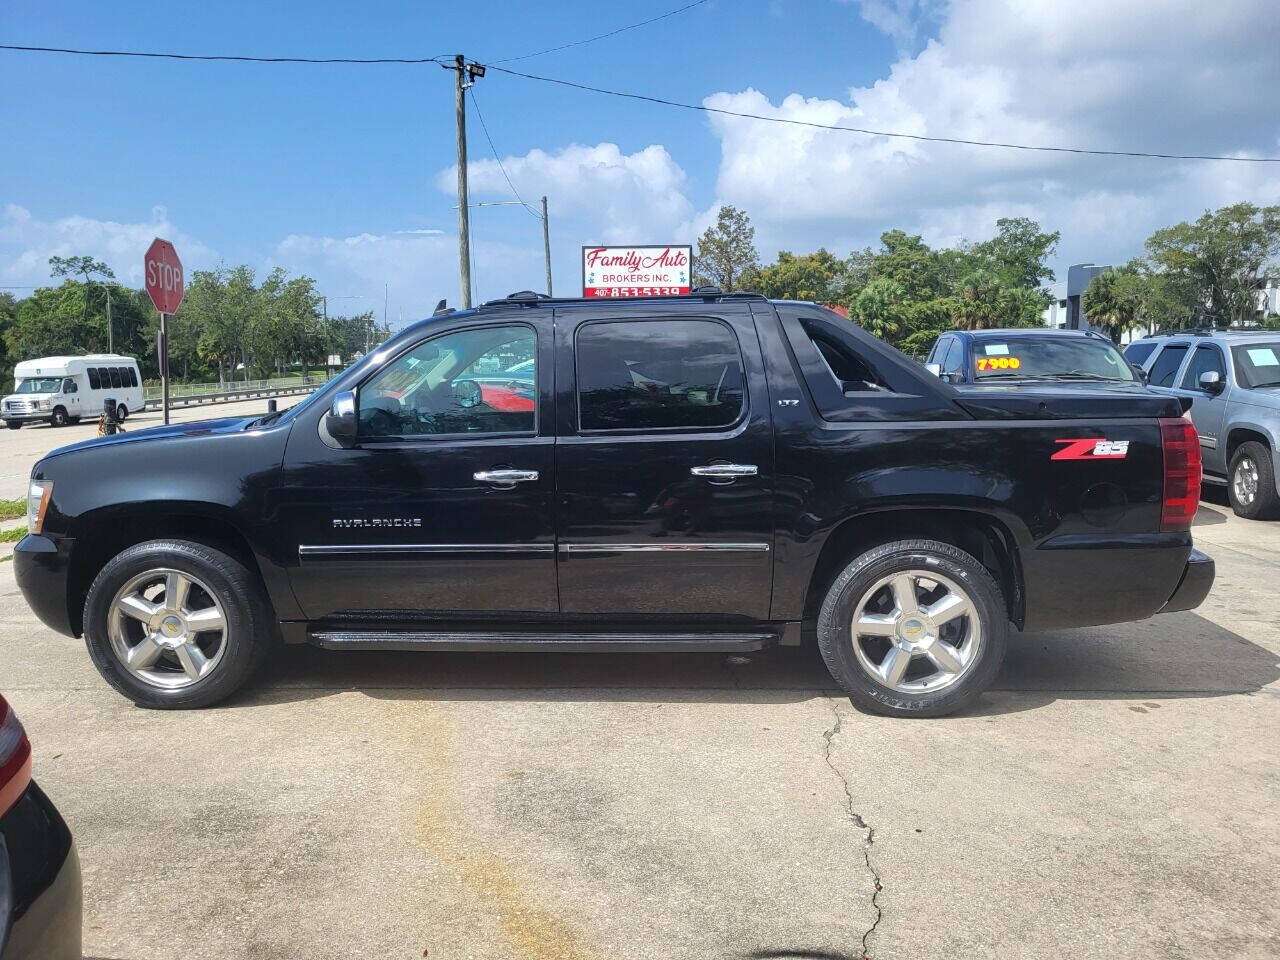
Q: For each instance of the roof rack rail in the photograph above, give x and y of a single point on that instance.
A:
(519, 297)
(1209, 331)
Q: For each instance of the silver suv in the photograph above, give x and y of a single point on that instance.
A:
(1233, 380)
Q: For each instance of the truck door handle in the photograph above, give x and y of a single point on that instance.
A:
(505, 476)
(725, 471)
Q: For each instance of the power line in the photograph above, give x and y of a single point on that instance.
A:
(602, 36)
(880, 133)
(1039, 148)
(217, 57)
(485, 127)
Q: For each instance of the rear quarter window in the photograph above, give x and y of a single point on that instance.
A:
(1138, 352)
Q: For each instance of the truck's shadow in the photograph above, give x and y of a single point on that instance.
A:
(1178, 655)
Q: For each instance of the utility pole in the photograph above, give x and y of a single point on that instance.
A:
(110, 347)
(546, 244)
(464, 226)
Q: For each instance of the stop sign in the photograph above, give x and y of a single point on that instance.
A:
(163, 272)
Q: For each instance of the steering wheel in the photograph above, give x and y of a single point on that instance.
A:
(382, 423)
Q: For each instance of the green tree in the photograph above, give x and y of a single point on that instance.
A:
(52, 321)
(1115, 299)
(810, 276)
(881, 308)
(727, 251)
(1019, 252)
(909, 261)
(1216, 266)
(86, 267)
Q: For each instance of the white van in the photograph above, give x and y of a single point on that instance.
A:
(61, 390)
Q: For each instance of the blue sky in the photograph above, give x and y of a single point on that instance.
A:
(344, 172)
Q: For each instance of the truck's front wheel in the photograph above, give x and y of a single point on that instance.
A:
(176, 624)
(915, 628)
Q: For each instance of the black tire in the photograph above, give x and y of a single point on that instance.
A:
(121, 412)
(59, 418)
(13, 424)
(1266, 502)
(860, 576)
(249, 635)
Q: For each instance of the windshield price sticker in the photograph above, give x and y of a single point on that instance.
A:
(996, 349)
(998, 363)
(1263, 357)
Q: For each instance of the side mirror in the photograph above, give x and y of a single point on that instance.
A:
(934, 368)
(1211, 381)
(1138, 372)
(341, 422)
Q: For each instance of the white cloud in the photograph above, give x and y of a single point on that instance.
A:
(607, 195)
(900, 19)
(413, 269)
(27, 243)
(1167, 76)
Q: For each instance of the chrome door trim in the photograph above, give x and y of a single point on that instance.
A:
(663, 547)
(725, 471)
(505, 476)
(358, 549)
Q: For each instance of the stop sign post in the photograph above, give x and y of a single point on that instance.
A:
(162, 271)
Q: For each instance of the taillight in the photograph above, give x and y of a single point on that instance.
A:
(15, 758)
(1181, 473)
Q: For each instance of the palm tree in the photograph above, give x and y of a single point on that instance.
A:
(878, 308)
(1108, 303)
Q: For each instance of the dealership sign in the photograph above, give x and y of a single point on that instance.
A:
(653, 271)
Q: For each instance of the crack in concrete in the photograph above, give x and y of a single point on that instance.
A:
(862, 824)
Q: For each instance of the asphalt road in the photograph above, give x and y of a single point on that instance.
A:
(1114, 796)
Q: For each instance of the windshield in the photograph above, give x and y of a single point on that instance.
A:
(1257, 364)
(1075, 358)
(38, 385)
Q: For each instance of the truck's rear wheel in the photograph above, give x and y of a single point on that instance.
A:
(915, 628)
(1252, 488)
(121, 413)
(174, 624)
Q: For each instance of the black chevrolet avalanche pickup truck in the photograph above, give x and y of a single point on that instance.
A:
(716, 472)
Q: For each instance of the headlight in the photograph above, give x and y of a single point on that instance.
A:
(37, 503)
(44, 404)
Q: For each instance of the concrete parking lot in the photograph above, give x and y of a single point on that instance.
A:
(1114, 796)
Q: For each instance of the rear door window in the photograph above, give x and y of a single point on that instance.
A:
(659, 375)
(133, 376)
(1167, 363)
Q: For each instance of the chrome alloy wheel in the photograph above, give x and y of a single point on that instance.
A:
(167, 628)
(916, 631)
(1244, 484)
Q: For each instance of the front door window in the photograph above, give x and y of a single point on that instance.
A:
(474, 382)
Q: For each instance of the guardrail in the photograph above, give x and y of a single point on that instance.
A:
(184, 394)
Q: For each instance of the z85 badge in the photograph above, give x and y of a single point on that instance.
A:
(1093, 448)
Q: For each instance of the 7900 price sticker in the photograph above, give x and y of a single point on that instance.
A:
(998, 363)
